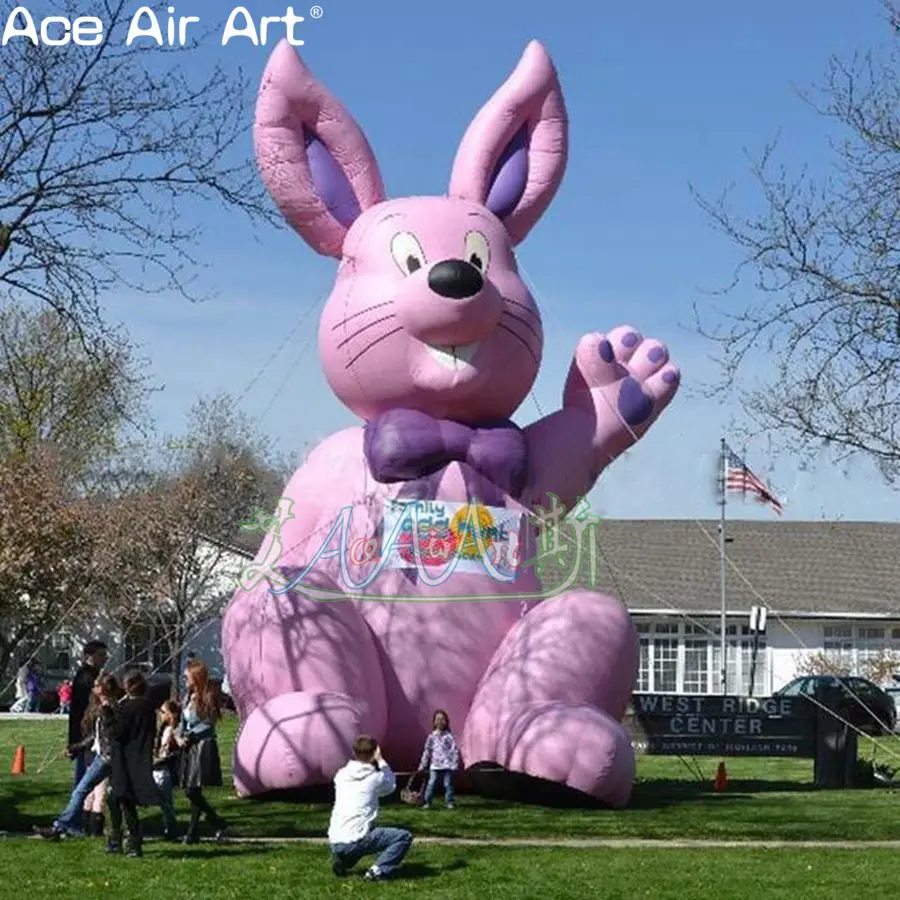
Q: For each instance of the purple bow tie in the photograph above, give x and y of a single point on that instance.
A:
(406, 445)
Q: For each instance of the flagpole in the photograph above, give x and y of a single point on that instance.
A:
(723, 616)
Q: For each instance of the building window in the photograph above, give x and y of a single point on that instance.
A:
(644, 665)
(665, 659)
(870, 647)
(685, 657)
(862, 650)
(138, 643)
(60, 655)
(162, 657)
(696, 667)
(839, 645)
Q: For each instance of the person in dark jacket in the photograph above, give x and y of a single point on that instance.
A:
(96, 741)
(131, 726)
(93, 659)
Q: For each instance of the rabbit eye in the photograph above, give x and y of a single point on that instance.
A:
(407, 253)
(477, 251)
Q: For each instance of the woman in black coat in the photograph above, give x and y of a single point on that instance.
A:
(131, 725)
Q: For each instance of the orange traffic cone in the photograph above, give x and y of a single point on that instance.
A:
(721, 781)
(18, 765)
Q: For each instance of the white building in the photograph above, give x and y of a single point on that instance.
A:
(830, 589)
(143, 642)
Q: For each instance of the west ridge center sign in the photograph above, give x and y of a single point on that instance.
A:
(675, 725)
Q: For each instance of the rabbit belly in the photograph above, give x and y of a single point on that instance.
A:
(434, 641)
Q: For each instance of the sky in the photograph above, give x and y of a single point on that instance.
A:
(660, 96)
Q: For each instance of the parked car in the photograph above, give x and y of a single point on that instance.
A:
(893, 691)
(866, 705)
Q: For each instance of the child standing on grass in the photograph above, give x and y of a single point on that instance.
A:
(65, 697)
(440, 757)
(165, 764)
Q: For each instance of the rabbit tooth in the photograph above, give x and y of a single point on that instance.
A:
(453, 357)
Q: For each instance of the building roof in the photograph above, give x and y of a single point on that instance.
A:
(801, 568)
(672, 565)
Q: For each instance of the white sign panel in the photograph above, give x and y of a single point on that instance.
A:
(452, 537)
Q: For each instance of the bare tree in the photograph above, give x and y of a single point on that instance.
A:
(105, 153)
(824, 254)
(183, 525)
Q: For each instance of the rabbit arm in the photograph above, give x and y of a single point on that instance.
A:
(562, 457)
(618, 384)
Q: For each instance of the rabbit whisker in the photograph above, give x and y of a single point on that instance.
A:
(522, 340)
(524, 306)
(359, 331)
(374, 343)
(361, 313)
(534, 330)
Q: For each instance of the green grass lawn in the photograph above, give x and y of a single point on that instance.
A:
(766, 799)
(77, 870)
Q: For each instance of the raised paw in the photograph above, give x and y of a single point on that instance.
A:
(624, 380)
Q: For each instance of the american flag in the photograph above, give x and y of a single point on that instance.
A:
(739, 477)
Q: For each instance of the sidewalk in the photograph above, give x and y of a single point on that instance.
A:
(32, 717)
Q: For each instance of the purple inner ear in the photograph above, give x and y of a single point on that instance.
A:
(510, 176)
(330, 182)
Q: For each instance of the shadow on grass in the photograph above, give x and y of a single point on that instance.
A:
(208, 850)
(14, 796)
(661, 793)
(415, 871)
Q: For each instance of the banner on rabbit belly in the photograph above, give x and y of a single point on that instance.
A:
(456, 537)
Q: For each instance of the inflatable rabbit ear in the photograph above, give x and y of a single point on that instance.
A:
(314, 159)
(513, 156)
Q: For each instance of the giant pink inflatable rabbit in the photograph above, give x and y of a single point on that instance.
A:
(433, 340)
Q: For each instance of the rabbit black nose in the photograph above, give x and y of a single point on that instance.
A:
(455, 278)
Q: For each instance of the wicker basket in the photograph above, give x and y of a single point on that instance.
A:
(412, 792)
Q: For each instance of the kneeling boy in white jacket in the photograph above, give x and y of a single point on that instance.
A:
(352, 834)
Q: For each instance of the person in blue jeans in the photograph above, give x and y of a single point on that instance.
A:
(68, 823)
(440, 758)
(352, 833)
(33, 684)
(93, 658)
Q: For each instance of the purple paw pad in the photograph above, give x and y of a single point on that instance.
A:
(606, 351)
(635, 406)
(657, 354)
(670, 377)
(630, 339)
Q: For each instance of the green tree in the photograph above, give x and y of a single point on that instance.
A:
(55, 393)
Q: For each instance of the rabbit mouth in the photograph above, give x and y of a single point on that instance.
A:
(453, 357)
